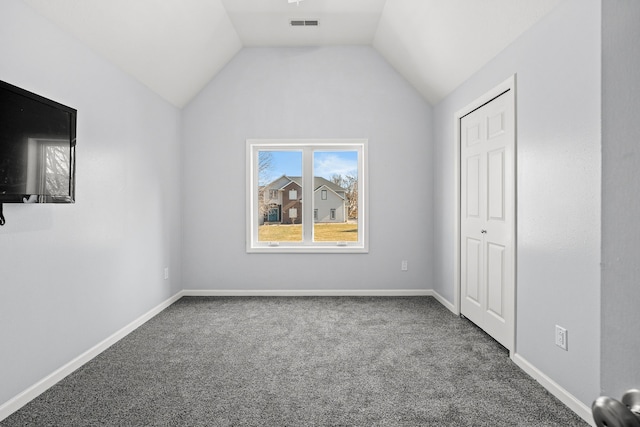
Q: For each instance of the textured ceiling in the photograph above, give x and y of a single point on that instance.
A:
(175, 47)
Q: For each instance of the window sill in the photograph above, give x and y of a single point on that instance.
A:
(319, 249)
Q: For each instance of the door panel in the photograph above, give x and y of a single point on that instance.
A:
(495, 278)
(495, 185)
(495, 125)
(473, 184)
(473, 265)
(473, 133)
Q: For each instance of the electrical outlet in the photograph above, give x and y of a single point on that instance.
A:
(166, 273)
(561, 337)
(405, 265)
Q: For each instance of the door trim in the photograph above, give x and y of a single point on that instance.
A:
(507, 85)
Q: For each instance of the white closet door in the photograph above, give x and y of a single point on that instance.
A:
(487, 181)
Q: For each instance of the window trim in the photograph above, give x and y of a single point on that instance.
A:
(307, 146)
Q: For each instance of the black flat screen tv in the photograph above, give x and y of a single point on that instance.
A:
(37, 148)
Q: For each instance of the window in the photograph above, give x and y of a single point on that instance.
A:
(326, 208)
(273, 194)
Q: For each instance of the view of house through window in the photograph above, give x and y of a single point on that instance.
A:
(335, 196)
(279, 196)
(306, 195)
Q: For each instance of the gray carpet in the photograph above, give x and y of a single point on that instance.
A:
(299, 361)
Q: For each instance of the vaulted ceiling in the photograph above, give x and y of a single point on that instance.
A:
(175, 47)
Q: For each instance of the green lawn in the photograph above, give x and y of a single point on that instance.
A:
(322, 233)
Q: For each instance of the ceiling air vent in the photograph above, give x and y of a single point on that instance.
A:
(303, 23)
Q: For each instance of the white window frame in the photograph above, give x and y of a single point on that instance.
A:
(307, 147)
(293, 194)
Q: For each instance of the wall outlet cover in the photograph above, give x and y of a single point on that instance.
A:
(561, 337)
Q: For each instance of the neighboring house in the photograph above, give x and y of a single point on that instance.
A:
(283, 201)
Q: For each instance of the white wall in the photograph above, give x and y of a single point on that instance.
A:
(558, 143)
(72, 275)
(620, 201)
(333, 92)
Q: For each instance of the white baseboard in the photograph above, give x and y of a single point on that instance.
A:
(300, 292)
(582, 410)
(50, 380)
(444, 302)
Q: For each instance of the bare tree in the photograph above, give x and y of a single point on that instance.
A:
(265, 166)
(352, 196)
(350, 185)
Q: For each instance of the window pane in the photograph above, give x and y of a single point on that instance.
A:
(335, 196)
(280, 196)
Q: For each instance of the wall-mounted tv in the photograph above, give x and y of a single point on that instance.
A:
(37, 148)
